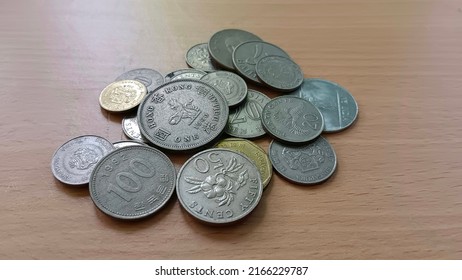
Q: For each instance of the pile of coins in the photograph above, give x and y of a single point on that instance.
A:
(190, 109)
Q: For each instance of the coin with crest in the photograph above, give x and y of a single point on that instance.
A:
(233, 87)
(150, 78)
(279, 73)
(219, 186)
(122, 95)
(198, 57)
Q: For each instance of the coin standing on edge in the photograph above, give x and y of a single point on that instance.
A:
(131, 128)
(192, 74)
(73, 162)
(122, 95)
(198, 57)
(253, 152)
(337, 105)
(233, 87)
(219, 186)
(132, 182)
(279, 73)
(183, 115)
(150, 78)
(309, 164)
(292, 119)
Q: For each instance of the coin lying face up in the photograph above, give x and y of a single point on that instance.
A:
(132, 182)
(198, 57)
(122, 95)
(219, 186)
(150, 78)
(279, 73)
(233, 87)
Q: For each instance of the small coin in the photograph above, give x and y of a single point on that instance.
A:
(247, 54)
(233, 87)
(245, 120)
(312, 163)
(219, 186)
(73, 162)
(193, 74)
(150, 78)
(292, 119)
(131, 129)
(183, 115)
(127, 143)
(198, 57)
(253, 152)
(337, 105)
(223, 43)
(132, 182)
(280, 73)
(122, 95)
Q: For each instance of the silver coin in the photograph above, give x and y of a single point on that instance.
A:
(233, 87)
(198, 57)
(127, 143)
(312, 163)
(292, 119)
(148, 77)
(183, 115)
(132, 182)
(219, 186)
(246, 56)
(280, 73)
(73, 162)
(131, 129)
(193, 74)
(223, 43)
(337, 105)
(245, 120)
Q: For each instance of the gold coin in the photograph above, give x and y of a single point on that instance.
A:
(122, 95)
(252, 151)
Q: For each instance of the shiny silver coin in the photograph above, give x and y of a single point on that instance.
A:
(246, 56)
(183, 115)
(193, 74)
(219, 186)
(73, 162)
(222, 44)
(148, 77)
(233, 87)
(279, 73)
(132, 182)
(245, 120)
(127, 143)
(198, 57)
(292, 119)
(312, 163)
(337, 105)
(131, 129)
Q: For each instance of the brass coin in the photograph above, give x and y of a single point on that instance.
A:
(122, 95)
(253, 152)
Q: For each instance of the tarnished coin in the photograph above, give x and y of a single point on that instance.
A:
(73, 162)
(337, 105)
(233, 87)
(253, 152)
(245, 120)
(127, 143)
(219, 186)
(292, 119)
(193, 74)
(132, 182)
(131, 128)
(198, 57)
(280, 73)
(150, 78)
(312, 163)
(183, 115)
(223, 43)
(246, 56)
(122, 95)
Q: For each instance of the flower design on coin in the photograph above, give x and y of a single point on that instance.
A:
(83, 158)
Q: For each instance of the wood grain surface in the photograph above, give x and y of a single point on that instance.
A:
(397, 192)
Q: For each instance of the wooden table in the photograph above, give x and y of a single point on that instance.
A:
(397, 192)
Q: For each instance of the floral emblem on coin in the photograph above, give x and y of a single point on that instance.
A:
(304, 161)
(83, 158)
(221, 186)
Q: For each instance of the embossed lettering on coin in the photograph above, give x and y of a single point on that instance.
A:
(131, 129)
(193, 74)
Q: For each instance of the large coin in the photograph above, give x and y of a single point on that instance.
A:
(223, 43)
(246, 56)
(122, 95)
(245, 120)
(292, 119)
(198, 57)
(150, 78)
(308, 164)
(193, 74)
(279, 73)
(131, 128)
(336, 104)
(183, 115)
(233, 87)
(219, 186)
(252, 151)
(132, 182)
(73, 162)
